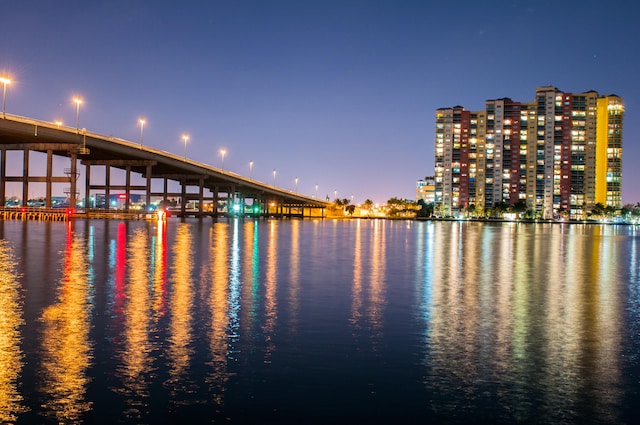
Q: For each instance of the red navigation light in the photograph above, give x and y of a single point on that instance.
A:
(70, 211)
(122, 196)
(23, 209)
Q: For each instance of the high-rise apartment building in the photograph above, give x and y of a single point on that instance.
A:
(560, 154)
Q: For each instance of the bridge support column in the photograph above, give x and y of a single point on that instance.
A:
(47, 198)
(183, 204)
(87, 187)
(107, 190)
(216, 199)
(3, 175)
(25, 177)
(72, 177)
(231, 203)
(201, 196)
(148, 194)
(127, 189)
(166, 189)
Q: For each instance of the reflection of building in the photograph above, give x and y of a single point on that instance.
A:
(426, 189)
(561, 152)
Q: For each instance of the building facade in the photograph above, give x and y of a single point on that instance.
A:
(426, 189)
(558, 155)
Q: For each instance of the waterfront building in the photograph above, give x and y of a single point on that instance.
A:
(426, 189)
(558, 155)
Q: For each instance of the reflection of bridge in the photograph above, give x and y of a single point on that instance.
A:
(201, 185)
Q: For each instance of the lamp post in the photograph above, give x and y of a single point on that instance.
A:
(185, 138)
(142, 123)
(77, 101)
(316, 190)
(223, 152)
(250, 170)
(58, 123)
(4, 82)
(296, 184)
(274, 176)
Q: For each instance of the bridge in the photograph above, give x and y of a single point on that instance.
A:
(204, 189)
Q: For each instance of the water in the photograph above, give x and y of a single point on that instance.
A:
(362, 321)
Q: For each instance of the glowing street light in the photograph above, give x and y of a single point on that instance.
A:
(142, 122)
(316, 190)
(77, 101)
(4, 82)
(223, 152)
(250, 169)
(296, 184)
(185, 138)
(274, 176)
(58, 123)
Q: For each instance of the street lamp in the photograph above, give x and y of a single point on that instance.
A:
(274, 176)
(142, 123)
(185, 138)
(250, 170)
(58, 123)
(77, 101)
(223, 152)
(296, 184)
(316, 190)
(4, 82)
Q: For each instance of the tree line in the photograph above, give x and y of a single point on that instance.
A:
(400, 207)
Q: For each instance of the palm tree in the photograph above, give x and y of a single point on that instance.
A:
(499, 208)
(598, 210)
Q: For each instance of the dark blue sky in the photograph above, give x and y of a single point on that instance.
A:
(337, 93)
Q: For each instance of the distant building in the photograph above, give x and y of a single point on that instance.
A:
(560, 154)
(426, 190)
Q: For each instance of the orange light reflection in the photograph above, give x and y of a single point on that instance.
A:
(11, 357)
(66, 346)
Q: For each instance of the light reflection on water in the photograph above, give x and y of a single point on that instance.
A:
(529, 320)
(135, 361)
(180, 331)
(66, 347)
(220, 301)
(11, 357)
(323, 321)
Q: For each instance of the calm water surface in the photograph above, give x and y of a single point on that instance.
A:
(318, 322)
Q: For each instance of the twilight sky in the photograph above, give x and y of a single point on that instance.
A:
(338, 93)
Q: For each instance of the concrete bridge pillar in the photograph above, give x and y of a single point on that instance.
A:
(165, 189)
(107, 190)
(48, 179)
(183, 197)
(148, 191)
(73, 176)
(25, 177)
(201, 195)
(3, 175)
(87, 186)
(216, 199)
(127, 188)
